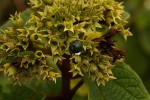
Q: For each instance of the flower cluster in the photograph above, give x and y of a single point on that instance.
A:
(57, 28)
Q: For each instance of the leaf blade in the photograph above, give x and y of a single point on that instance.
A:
(127, 86)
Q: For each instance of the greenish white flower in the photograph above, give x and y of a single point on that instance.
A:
(27, 49)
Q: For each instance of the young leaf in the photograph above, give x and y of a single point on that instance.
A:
(127, 86)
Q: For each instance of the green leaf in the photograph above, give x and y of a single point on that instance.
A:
(127, 86)
(23, 92)
(17, 93)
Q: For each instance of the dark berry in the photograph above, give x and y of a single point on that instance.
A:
(76, 46)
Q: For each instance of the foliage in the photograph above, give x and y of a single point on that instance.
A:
(127, 86)
(67, 41)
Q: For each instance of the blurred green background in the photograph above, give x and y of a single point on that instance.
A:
(137, 46)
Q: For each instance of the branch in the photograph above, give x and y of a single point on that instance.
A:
(66, 77)
(79, 84)
(52, 97)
